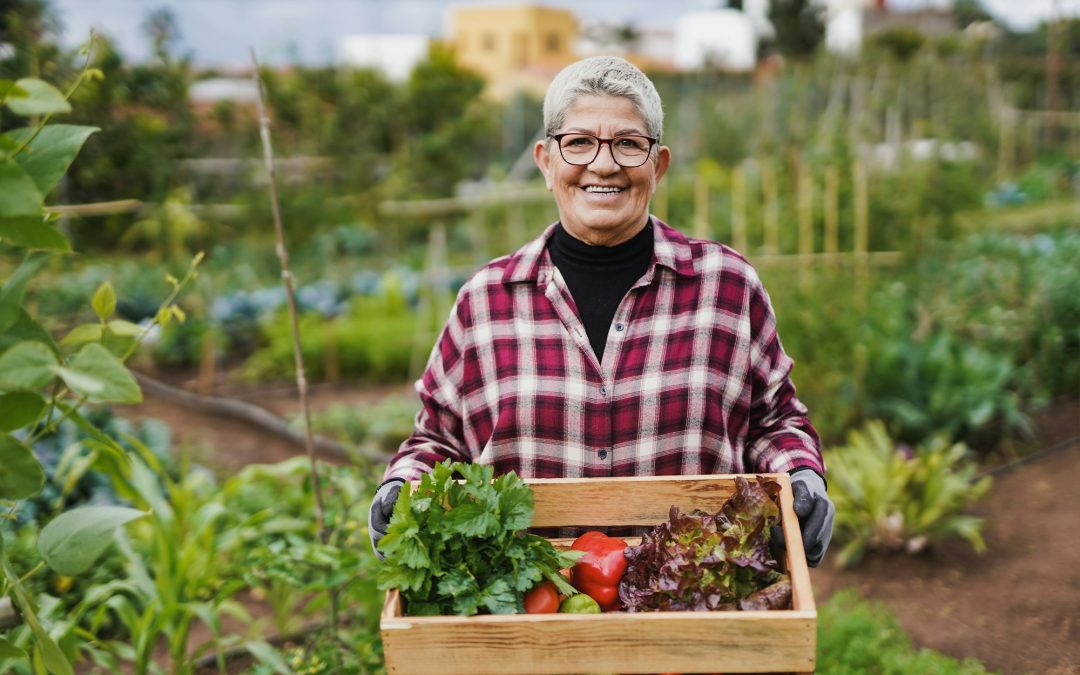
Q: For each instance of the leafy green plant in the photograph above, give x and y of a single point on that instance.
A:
(891, 498)
(43, 382)
(856, 637)
(382, 425)
(458, 548)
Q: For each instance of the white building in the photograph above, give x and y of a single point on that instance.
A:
(394, 55)
(724, 38)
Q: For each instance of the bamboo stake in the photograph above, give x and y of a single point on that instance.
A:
(806, 215)
(772, 207)
(287, 280)
(862, 220)
(701, 206)
(738, 210)
(207, 364)
(660, 200)
(832, 210)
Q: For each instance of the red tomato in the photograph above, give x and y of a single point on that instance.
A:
(542, 599)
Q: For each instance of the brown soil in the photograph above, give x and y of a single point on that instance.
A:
(1015, 608)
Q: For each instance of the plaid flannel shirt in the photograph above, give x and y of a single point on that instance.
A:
(694, 379)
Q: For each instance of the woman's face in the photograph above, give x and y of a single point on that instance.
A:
(601, 203)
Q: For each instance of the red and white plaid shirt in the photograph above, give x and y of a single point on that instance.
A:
(694, 379)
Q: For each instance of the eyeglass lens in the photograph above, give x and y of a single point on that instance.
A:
(582, 149)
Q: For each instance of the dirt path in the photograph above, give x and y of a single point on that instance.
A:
(1016, 608)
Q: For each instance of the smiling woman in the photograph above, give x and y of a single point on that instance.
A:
(612, 344)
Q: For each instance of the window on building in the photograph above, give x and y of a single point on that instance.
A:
(489, 42)
(553, 42)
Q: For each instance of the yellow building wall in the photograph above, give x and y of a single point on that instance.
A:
(521, 41)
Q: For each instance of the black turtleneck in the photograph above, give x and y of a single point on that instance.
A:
(600, 276)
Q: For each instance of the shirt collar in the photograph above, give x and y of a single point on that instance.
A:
(671, 249)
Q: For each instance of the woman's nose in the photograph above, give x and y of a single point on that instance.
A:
(604, 160)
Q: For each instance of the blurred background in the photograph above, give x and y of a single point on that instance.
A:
(904, 175)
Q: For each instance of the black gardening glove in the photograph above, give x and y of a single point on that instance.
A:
(815, 511)
(382, 507)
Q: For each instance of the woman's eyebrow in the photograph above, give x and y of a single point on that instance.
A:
(621, 132)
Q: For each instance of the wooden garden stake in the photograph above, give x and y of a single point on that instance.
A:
(207, 364)
(738, 209)
(862, 223)
(806, 218)
(287, 280)
(701, 205)
(832, 210)
(772, 207)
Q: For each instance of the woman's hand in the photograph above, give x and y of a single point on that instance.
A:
(815, 511)
(382, 507)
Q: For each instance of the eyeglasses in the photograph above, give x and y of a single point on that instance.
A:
(581, 149)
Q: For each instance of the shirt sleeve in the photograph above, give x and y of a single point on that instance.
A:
(780, 437)
(438, 431)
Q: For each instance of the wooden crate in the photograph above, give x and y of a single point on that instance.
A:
(616, 642)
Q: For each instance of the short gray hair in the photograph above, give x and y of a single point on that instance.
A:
(609, 75)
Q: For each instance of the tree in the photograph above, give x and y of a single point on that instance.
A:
(799, 27)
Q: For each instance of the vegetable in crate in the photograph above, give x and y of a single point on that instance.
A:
(598, 572)
(699, 561)
(457, 547)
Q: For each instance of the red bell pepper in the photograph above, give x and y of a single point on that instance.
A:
(598, 572)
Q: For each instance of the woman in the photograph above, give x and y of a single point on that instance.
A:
(612, 345)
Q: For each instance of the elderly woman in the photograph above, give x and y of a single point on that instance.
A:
(612, 344)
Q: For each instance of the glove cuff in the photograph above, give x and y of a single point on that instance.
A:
(808, 478)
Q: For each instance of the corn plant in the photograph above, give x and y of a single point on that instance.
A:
(891, 498)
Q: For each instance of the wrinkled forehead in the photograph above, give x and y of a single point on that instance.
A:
(603, 114)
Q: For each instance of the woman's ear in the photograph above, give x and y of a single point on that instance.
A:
(663, 161)
(542, 157)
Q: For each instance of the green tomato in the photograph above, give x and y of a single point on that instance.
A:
(579, 604)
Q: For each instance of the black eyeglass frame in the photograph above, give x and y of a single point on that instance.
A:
(600, 143)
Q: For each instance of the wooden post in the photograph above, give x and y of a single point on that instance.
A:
(1006, 142)
(832, 210)
(432, 295)
(738, 210)
(862, 222)
(660, 199)
(772, 207)
(806, 217)
(701, 205)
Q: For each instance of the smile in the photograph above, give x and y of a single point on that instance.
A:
(603, 189)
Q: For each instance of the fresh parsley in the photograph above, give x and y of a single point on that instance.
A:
(459, 546)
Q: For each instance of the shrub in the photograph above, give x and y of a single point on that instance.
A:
(856, 637)
(891, 498)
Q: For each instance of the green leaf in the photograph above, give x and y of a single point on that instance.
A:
(473, 520)
(98, 363)
(18, 194)
(11, 295)
(8, 89)
(18, 409)
(10, 651)
(55, 661)
(122, 328)
(104, 301)
(32, 232)
(74, 540)
(88, 332)
(80, 382)
(499, 598)
(26, 366)
(41, 99)
(26, 329)
(49, 155)
(21, 476)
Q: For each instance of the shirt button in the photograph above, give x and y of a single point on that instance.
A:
(603, 391)
(603, 454)
(619, 327)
